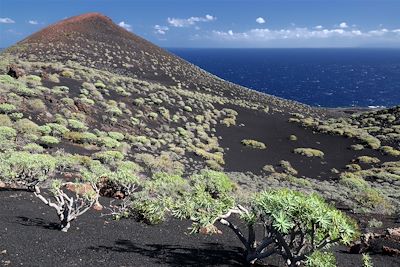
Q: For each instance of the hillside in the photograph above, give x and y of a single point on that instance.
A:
(86, 89)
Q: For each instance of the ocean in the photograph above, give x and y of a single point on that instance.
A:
(354, 77)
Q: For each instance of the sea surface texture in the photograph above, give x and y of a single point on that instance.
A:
(318, 77)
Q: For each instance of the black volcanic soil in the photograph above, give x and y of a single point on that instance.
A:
(28, 237)
(274, 130)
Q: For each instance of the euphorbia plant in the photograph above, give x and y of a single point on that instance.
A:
(295, 225)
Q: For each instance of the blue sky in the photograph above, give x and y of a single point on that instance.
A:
(222, 23)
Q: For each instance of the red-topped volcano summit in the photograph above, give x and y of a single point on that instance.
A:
(96, 41)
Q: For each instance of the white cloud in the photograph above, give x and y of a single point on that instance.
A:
(210, 18)
(319, 27)
(343, 25)
(180, 23)
(6, 20)
(33, 22)
(260, 20)
(264, 34)
(161, 29)
(125, 25)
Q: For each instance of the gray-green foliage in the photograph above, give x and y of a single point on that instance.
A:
(296, 225)
(26, 168)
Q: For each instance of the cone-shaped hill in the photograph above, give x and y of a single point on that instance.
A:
(86, 86)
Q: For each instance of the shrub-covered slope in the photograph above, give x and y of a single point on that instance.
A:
(84, 100)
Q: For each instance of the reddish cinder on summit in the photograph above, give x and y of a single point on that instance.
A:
(95, 40)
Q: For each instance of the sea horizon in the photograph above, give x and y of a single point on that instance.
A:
(320, 77)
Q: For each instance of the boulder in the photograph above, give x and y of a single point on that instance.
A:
(15, 72)
(387, 243)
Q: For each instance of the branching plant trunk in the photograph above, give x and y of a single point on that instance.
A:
(67, 208)
(254, 251)
(120, 209)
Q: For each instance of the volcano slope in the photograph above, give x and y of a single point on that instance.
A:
(87, 87)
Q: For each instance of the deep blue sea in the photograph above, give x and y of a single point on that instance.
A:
(318, 77)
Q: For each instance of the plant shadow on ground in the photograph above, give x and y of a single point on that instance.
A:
(175, 255)
(37, 222)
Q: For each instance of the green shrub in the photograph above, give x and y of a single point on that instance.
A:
(268, 168)
(229, 122)
(309, 152)
(357, 147)
(76, 125)
(353, 167)
(287, 167)
(26, 168)
(253, 144)
(108, 142)
(187, 108)
(5, 120)
(153, 115)
(114, 111)
(321, 259)
(100, 85)
(34, 78)
(56, 129)
(108, 156)
(16, 116)
(390, 151)
(214, 182)
(49, 141)
(26, 126)
(67, 73)
(374, 223)
(138, 101)
(33, 148)
(7, 133)
(367, 261)
(37, 105)
(370, 140)
(368, 160)
(82, 138)
(116, 135)
(157, 197)
(7, 108)
(364, 194)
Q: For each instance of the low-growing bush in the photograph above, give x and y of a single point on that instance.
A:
(33, 148)
(108, 157)
(287, 167)
(390, 151)
(25, 168)
(81, 138)
(309, 152)
(253, 144)
(26, 126)
(49, 141)
(7, 108)
(368, 160)
(76, 125)
(357, 147)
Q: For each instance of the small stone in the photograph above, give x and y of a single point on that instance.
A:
(97, 206)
